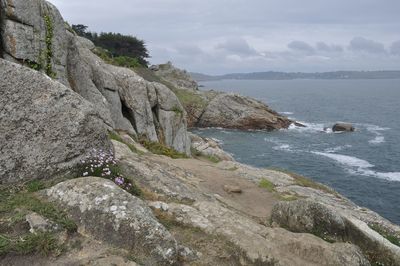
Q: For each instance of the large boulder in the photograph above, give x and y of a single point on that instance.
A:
(306, 216)
(105, 211)
(45, 127)
(234, 111)
(34, 33)
(340, 127)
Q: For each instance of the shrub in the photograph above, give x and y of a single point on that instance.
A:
(103, 164)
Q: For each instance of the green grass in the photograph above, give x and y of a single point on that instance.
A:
(161, 149)
(15, 203)
(115, 136)
(26, 201)
(392, 238)
(307, 182)
(199, 155)
(264, 183)
(41, 243)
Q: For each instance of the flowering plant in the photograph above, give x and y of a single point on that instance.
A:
(103, 164)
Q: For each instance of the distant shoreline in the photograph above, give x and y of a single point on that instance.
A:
(272, 75)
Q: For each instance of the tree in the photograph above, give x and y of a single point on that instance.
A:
(117, 44)
(79, 29)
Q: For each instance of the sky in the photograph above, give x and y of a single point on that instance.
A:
(226, 36)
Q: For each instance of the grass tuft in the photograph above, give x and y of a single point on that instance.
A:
(161, 149)
(266, 184)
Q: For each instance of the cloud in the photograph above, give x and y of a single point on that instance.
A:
(323, 47)
(395, 48)
(237, 46)
(365, 45)
(301, 47)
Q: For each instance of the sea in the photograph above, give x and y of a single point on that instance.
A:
(363, 165)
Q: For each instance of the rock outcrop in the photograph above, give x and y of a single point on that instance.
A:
(103, 209)
(40, 39)
(178, 78)
(239, 112)
(45, 127)
(217, 109)
(33, 34)
(340, 127)
(304, 216)
(209, 147)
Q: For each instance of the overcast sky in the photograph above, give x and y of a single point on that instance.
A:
(223, 36)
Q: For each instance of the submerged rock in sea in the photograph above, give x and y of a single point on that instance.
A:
(343, 127)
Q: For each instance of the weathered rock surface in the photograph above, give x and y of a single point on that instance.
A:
(209, 147)
(343, 127)
(45, 127)
(239, 112)
(177, 77)
(306, 216)
(209, 212)
(107, 212)
(216, 109)
(33, 33)
(24, 28)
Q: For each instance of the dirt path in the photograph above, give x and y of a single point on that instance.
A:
(253, 200)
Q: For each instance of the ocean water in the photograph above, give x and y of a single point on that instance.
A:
(363, 165)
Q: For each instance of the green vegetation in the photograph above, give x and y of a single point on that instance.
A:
(266, 184)
(122, 61)
(32, 64)
(124, 50)
(177, 110)
(307, 182)
(49, 46)
(199, 155)
(161, 149)
(15, 203)
(115, 136)
(25, 201)
(41, 243)
(382, 231)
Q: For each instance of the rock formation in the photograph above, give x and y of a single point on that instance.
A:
(216, 109)
(45, 127)
(177, 77)
(340, 127)
(40, 39)
(183, 211)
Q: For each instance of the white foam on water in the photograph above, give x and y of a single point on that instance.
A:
(358, 166)
(377, 140)
(346, 160)
(339, 148)
(310, 127)
(283, 147)
(377, 130)
(287, 113)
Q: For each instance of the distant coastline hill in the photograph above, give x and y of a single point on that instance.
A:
(272, 75)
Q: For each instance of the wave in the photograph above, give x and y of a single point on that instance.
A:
(287, 113)
(310, 127)
(339, 148)
(283, 147)
(358, 166)
(374, 129)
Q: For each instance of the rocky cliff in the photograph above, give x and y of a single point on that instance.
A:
(77, 187)
(217, 109)
(34, 34)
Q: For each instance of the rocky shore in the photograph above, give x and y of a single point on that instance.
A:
(97, 167)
